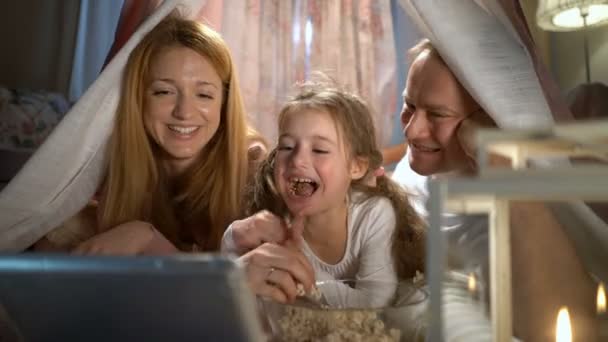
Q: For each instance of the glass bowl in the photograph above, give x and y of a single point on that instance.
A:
(352, 311)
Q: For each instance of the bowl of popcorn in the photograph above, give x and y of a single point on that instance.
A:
(352, 310)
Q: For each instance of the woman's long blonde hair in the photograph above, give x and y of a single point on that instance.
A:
(198, 205)
(356, 128)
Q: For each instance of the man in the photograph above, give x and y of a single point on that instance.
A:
(439, 117)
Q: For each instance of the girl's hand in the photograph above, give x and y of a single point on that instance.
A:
(131, 238)
(255, 230)
(274, 271)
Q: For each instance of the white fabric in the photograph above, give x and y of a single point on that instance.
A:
(367, 258)
(66, 170)
(484, 51)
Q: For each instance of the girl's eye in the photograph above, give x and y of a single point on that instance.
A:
(285, 148)
(316, 150)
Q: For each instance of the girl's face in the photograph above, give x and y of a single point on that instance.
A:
(312, 170)
(182, 104)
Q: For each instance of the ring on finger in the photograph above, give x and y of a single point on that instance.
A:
(272, 269)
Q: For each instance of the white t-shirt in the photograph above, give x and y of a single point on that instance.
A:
(367, 259)
(467, 234)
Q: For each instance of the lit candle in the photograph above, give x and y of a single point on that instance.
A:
(601, 299)
(472, 283)
(563, 330)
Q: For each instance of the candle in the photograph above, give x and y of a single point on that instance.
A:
(472, 284)
(563, 330)
(601, 299)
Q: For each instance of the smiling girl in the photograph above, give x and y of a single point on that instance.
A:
(318, 179)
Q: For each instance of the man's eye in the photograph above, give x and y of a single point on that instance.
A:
(438, 115)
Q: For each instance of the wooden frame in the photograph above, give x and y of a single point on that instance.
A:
(492, 191)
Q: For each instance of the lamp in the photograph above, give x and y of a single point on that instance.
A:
(571, 15)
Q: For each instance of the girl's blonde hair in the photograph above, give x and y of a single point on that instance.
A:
(198, 205)
(356, 128)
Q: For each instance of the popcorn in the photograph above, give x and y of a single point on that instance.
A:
(300, 324)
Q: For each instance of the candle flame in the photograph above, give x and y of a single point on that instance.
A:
(563, 330)
(472, 284)
(601, 299)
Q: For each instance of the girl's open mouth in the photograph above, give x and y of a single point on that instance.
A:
(302, 187)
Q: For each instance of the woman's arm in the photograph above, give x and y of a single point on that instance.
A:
(131, 238)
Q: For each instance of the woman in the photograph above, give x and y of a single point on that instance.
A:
(178, 155)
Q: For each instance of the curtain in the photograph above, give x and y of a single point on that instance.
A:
(38, 40)
(95, 34)
(278, 43)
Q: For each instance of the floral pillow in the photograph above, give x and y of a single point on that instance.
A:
(28, 117)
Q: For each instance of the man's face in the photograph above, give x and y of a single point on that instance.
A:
(434, 106)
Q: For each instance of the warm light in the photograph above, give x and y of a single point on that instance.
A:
(563, 330)
(472, 283)
(601, 299)
(572, 18)
(567, 15)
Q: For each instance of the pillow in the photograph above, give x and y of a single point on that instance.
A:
(28, 117)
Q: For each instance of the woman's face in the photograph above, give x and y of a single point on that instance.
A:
(182, 104)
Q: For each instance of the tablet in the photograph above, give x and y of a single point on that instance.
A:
(92, 298)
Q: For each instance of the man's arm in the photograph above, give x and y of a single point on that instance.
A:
(547, 274)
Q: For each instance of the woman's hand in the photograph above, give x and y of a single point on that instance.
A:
(255, 230)
(131, 238)
(274, 271)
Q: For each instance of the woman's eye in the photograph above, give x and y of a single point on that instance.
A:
(160, 92)
(206, 96)
(285, 148)
(316, 150)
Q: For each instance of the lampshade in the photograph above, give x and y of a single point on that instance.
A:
(565, 15)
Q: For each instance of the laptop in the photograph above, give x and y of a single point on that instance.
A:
(191, 297)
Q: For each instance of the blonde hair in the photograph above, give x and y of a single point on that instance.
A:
(207, 197)
(356, 128)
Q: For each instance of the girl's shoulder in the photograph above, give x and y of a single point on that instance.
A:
(373, 203)
(371, 213)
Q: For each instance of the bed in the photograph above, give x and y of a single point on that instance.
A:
(27, 117)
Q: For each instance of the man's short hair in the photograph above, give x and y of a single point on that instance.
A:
(423, 45)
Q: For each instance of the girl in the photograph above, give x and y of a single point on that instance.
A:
(318, 178)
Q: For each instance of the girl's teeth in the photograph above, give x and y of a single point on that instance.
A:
(183, 130)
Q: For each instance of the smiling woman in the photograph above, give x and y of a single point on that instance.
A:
(182, 105)
(179, 148)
